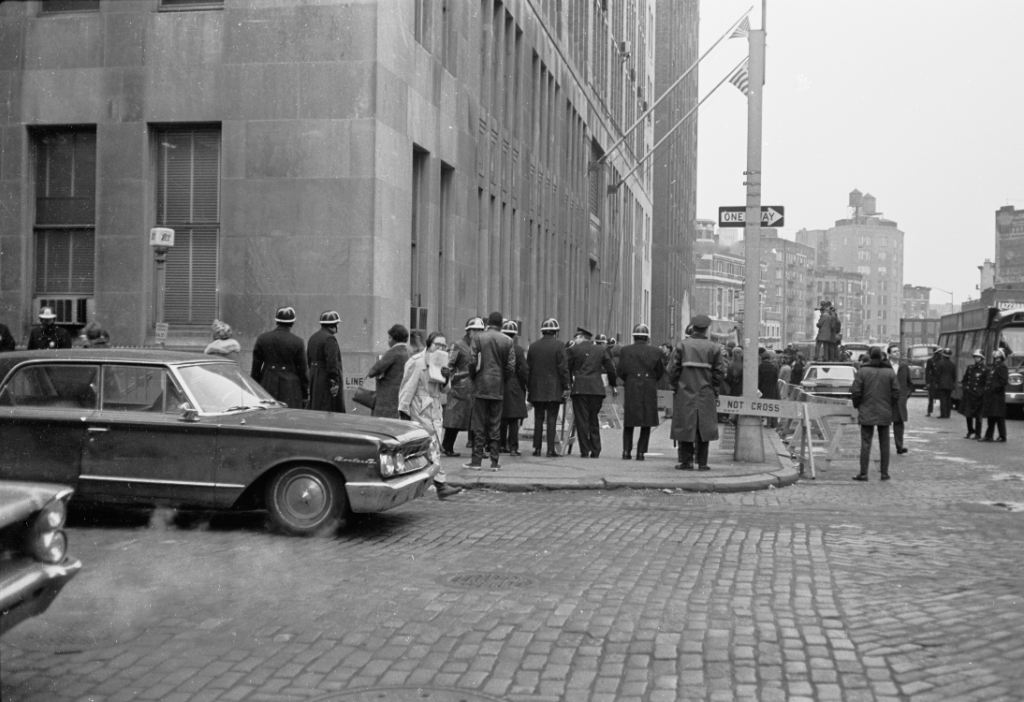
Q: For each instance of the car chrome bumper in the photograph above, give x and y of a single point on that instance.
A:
(381, 496)
(29, 590)
(1015, 398)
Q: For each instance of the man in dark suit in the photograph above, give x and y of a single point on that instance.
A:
(930, 380)
(587, 361)
(492, 364)
(640, 367)
(899, 412)
(279, 361)
(325, 371)
(548, 384)
(945, 381)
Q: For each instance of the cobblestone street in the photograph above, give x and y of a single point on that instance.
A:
(826, 590)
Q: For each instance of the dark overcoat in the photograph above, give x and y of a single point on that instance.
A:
(695, 371)
(973, 384)
(994, 402)
(279, 365)
(640, 367)
(48, 337)
(875, 393)
(389, 371)
(549, 370)
(514, 405)
(768, 379)
(494, 364)
(7, 342)
(945, 374)
(458, 410)
(824, 327)
(899, 412)
(587, 361)
(930, 376)
(325, 369)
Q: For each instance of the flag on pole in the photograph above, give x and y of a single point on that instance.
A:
(741, 77)
(742, 30)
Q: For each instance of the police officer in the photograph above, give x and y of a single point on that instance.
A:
(279, 361)
(695, 370)
(325, 371)
(548, 385)
(513, 410)
(47, 335)
(587, 361)
(973, 383)
(640, 367)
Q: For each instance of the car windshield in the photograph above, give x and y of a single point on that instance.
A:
(1012, 342)
(223, 387)
(839, 374)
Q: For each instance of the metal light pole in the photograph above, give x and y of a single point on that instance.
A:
(749, 441)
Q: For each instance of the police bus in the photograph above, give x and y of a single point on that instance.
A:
(988, 329)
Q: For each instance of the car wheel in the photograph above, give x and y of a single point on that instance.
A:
(307, 501)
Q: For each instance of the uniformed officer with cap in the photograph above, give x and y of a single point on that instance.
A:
(587, 361)
(548, 384)
(47, 335)
(695, 371)
(640, 367)
(325, 368)
(279, 361)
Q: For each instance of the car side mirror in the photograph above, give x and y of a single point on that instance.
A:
(188, 413)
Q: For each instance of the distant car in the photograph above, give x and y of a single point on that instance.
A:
(856, 348)
(151, 427)
(827, 379)
(916, 357)
(34, 565)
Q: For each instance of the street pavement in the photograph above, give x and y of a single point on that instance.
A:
(910, 590)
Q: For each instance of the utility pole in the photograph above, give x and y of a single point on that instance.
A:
(749, 441)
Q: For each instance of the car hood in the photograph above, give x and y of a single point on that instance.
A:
(328, 423)
(20, 500)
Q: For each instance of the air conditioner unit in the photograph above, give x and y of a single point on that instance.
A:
(632, 75)
(71, 310)
(625, 48)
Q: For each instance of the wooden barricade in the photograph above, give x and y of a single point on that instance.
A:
(820, 419)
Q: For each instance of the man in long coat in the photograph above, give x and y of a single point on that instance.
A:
(47, 335)
(493, 365)
(945, 381)
(823, 341)
(876, 394)
(279, 361)
(930, 380)
(458, 410)
(973, 384)
(325, 372)
(695, 370)
(587, 361)
(899, 411)
(548, 384)
(513, 410)
(993, 405)
(639, 367)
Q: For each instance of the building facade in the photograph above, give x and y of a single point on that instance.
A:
(403, 161)
(916, 299)
(674, 168)
(1009, 263)
(718, 284)
(789, 295)
(845, 290)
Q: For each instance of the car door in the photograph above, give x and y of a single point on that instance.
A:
(137, 448)
(44, 408)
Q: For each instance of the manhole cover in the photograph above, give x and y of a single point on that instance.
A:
(490, 581)
(407, 694)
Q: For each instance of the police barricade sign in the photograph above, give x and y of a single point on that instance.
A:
(782, 409)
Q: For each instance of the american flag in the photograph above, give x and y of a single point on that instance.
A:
(741, 77)
(742, 30)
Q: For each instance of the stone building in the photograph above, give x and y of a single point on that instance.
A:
(916, 299)
(414, 161)
(718, 284)
(674, 187)
(789, 297)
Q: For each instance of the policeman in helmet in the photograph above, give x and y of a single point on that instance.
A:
(47, 335)
(640, 367)
(325, 367)
(548, 385)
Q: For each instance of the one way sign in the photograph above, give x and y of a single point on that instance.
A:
(771, 216)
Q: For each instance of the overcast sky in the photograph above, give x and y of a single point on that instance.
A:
(918, 102)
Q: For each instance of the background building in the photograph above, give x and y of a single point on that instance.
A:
(1009, 261)
(416, 162)
(789, 297)
(845, 290)
(718, 285)
(674, 167)
(916, 299)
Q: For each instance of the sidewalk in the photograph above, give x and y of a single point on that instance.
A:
(608, 471)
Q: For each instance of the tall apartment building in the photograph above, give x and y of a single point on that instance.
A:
(399, 161)
(871, 245)
(674, 168)
(916, 299)
(718, 284)
(790, 298)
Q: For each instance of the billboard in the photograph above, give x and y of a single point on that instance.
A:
(1009, 245)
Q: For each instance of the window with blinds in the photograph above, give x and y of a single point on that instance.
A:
(65, 195)
(188, 201)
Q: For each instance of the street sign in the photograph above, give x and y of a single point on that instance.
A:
(161, 236)
(161, 332)
(771, 216)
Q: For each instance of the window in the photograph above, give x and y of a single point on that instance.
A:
(69, 387)
(188, 201)
(71, 5)
(863, 255)
(421, 22)
(882, 270)
(139, 389)
(65, 193)
(882, 256)
(864, 270)
(191, 4)
(417, 236)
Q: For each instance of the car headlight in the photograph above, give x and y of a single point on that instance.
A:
(1015, 379)
(435, 452)
(47, 542)
(388, 464)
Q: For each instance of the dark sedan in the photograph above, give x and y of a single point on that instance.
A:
(34, 565)
(150, 427)
(829, 379)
